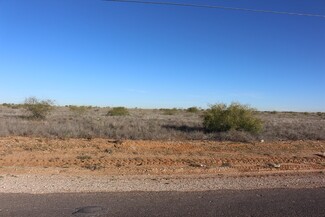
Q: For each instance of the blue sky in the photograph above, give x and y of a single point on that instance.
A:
(94, 52)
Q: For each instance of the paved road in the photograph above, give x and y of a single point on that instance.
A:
(276, 202)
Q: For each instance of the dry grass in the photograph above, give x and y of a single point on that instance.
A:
(148, 124)
(293, 126)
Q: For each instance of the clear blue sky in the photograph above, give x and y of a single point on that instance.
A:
(117, 54)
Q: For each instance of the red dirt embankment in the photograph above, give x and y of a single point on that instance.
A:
(136, 157)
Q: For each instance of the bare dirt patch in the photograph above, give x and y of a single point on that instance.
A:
(140, 157)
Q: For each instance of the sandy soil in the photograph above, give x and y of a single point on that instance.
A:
(19, 155)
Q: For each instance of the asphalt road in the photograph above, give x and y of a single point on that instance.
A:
(274, 202)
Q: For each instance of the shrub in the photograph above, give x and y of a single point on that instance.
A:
(221, 118)
(169, 111)
(321, 114)
(13, 106)
(79, 110)
(118, 111)
(192, 110)
(38, 109)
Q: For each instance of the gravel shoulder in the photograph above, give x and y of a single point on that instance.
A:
(40, 184)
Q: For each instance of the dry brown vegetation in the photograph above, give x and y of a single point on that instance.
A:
(148, 124)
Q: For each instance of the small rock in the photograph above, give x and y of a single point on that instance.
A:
(274, 165)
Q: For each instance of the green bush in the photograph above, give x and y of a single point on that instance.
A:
(221, 118)
(192, 109)
(118, 111)
(38, 109)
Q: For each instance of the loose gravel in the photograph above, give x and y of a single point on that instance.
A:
(39, 184)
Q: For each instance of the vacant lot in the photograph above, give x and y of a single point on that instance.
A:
(82, 140)
(146, 124)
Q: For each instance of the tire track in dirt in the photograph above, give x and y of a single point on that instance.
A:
(138, 156)
(240, 164)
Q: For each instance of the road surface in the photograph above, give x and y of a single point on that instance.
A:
(253, 203)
